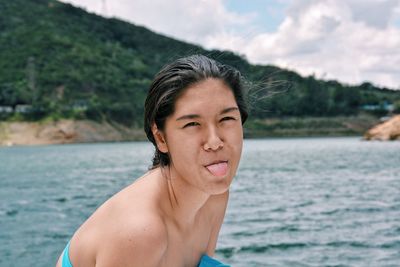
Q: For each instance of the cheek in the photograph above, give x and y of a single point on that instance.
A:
(238, 150)
(235, 137)
(182, 150)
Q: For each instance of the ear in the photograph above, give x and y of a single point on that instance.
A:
(160, 139)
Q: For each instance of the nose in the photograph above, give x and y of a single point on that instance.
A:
(213, 141)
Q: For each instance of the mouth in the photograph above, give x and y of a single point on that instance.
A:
(218, 168)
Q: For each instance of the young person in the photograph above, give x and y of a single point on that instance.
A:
(171, 216)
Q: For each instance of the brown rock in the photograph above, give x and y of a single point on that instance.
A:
(389, 130)
(65, 131)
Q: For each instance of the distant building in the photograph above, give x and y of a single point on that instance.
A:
(6, 109)
(23, 109)
(80, 105)
(384, 118)
(385, 106)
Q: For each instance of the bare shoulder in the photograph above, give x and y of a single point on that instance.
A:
(127, 230)
(137, 242)
(136, 231)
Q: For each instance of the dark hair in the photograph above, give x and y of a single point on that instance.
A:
(170, 83)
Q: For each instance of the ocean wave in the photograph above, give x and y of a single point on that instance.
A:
(12, 212)
(279, 246)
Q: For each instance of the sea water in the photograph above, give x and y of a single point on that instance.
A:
(294, 201)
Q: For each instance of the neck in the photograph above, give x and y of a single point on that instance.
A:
(185, 200)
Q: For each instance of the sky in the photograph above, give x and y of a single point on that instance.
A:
(352, 41)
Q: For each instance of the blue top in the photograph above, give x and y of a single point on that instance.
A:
(205, 261)
(65, 259)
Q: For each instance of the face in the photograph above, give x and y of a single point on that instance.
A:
(204, 136)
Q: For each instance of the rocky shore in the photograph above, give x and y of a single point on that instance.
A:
(388, 130)
(64, 132)
(85, 131)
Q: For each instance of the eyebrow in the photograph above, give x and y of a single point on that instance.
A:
(196, 116)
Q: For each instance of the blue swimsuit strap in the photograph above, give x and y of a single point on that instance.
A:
(65, 259)
(207, 261)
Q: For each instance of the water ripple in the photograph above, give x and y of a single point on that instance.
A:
(294, 202)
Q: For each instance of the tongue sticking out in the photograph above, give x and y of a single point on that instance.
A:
(218, 169)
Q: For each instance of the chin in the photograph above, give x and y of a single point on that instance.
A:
(219, 185)
(217, 190)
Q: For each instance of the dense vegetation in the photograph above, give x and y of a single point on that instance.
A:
(64, 62)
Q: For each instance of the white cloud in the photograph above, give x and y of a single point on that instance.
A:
(190, 20)
(351, 41)
(373, 13)
(334, 40)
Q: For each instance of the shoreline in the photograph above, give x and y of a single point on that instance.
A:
(67, 131)
(360, 137)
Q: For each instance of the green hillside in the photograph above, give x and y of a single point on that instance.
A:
(63, 62)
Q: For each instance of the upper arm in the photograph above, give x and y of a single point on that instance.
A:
(141, 244)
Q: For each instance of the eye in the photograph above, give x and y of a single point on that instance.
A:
(191, 124)
(228, 118)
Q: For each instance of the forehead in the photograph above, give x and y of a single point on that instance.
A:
(205, 96)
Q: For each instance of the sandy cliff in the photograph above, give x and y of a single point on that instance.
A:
(65, 131)
(389, 130)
